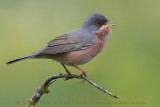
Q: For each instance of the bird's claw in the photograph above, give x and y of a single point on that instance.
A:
(83, 74)
(67, 76)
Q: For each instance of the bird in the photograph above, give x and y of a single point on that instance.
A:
(76, 47)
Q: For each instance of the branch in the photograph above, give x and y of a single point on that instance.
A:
(44, 87)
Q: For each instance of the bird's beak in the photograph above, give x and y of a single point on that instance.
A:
(106, 24)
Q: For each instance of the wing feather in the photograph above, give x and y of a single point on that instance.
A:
(62, 44)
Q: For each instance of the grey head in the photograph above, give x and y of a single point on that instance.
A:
(94, 21)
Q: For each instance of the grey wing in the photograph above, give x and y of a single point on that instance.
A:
(62, 44)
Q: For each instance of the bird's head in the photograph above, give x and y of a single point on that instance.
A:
(94, 22)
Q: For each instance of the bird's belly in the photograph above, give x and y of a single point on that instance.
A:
(81, 56)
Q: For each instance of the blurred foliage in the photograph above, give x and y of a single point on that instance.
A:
(128, 65)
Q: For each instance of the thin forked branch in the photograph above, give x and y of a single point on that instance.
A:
(44, 87)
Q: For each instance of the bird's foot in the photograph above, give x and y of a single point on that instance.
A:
(81, 74)
(67, 76)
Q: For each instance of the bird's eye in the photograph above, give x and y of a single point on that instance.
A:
(98, 23)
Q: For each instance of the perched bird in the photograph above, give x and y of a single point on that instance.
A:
(76, 47)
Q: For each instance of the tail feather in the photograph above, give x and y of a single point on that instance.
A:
(19, 59)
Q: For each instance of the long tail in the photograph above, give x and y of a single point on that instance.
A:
(19, 59)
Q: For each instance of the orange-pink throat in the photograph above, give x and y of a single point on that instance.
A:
(104, 33)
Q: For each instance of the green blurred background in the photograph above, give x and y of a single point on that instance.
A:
(129, 65)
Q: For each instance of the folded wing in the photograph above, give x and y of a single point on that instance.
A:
(62, 44)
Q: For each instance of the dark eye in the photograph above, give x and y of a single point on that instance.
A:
(99, 23)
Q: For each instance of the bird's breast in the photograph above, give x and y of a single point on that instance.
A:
(81, 56)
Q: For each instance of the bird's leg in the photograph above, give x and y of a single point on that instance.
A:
(83, 72)
(68, 73)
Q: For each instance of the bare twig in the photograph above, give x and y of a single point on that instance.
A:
(44, 87)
